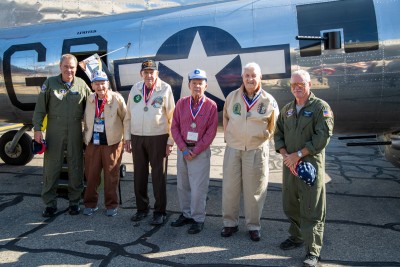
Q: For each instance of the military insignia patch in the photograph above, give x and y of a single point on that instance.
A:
(43, 89)
(261, 109)
(137, 98)
(157, 103)
(62, 91)
(307, 113)
(236, 109)
(289, 113)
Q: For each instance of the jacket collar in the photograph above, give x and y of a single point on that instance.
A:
(92, 97)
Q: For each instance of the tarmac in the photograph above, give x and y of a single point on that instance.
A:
(362, 225)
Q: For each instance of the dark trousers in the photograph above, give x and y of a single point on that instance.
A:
(108, 158)
(145, 150)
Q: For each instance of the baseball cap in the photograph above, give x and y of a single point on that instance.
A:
(99, 75)
(149, 65)
(38, 148)
(306, 172)
(197, 74)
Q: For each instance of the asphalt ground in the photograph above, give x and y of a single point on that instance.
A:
(362, 225)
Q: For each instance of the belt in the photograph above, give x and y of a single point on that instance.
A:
(190, 144)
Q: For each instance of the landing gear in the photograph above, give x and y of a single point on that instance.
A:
(16, 147)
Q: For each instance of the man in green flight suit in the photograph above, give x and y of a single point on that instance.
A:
(303, 130)
(62, 98)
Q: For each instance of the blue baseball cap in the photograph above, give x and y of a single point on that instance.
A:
(197, 74)
(99, 75)
(38, 148)
(306, 172)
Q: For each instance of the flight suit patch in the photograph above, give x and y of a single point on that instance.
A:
(43, 89)
(307, 113)
(236, 109)
(289, 113)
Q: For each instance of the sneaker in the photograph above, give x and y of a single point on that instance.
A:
(310, 261)
(89, 211)
(140, 215)
(111, 212)
(196, 228)
(181, 221)
(158, 219)
(49, 212)
(74, 210)
(289, 244)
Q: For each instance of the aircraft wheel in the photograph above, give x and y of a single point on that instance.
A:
(122, 170)
(23, 151)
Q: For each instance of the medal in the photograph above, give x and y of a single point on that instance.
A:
(194, 113)
(248, 114)
(250, 104)
(147, 97)
(145, 108)
(193, 125)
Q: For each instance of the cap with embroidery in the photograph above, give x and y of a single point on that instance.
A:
(197, 74)
(99, 75)
(306, 172)
(38, 148)
(149, 65)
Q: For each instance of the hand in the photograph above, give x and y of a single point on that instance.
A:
(168, 150)
(127, 146)
(291, 160)
(38, 136)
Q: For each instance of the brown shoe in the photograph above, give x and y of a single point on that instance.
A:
(228, 231)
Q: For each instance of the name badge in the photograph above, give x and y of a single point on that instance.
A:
(96, 138)
(99, 128)
(191, 136)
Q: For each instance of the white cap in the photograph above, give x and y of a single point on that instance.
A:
(99, 75)
(197, 74)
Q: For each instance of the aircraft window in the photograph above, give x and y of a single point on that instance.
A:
(357, 19)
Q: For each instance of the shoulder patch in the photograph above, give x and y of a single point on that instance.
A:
(43, 89)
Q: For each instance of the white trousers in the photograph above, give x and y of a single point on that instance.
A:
(247, 172)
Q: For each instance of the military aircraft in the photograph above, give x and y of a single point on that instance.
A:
(351, 48)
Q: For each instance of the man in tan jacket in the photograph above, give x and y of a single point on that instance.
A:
(103, 134)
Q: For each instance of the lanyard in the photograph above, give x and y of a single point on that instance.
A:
(194, 114)
(147, 97)
(250, 104)
(100, 109)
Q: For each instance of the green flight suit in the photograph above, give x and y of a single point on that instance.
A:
(64, 107)
(305, 206)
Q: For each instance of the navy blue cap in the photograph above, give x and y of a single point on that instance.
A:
(38, 148)
(306, 172)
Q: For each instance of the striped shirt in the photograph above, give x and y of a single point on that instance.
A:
(206, 124)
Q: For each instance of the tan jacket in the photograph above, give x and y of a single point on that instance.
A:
(157, 119)
(244, 132)
(114, 114)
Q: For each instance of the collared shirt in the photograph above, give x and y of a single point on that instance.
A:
(206, 124)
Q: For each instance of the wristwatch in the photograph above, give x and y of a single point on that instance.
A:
(299, 154)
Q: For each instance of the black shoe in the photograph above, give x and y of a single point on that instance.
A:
(228, 231)
(181, 221)
(310, 261)
(196, 228)
(74, 210)
(289, 244)
(49, 212)
(255, 235)
(158, 219)
(140, 215)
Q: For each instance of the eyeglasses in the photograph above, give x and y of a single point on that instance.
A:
(300, 85)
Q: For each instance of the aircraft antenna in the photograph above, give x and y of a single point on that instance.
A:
(127, 46)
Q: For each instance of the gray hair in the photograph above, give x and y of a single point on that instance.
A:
(68, 56)
(303, 74)
(253, 65)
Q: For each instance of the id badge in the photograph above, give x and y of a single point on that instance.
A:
(96, 138)
(99, 128)
(192, 136)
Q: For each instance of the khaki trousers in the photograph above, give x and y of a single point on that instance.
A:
(244, 172)
(108, 158)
